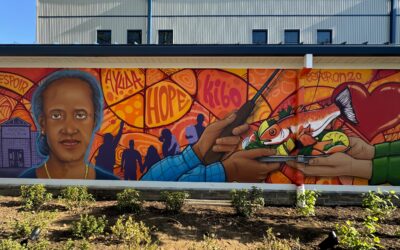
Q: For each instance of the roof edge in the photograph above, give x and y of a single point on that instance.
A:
(237, 50)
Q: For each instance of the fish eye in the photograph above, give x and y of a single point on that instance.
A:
(272, 131)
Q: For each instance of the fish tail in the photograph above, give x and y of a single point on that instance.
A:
(343, 101)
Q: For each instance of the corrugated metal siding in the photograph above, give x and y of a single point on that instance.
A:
(398, 23)
(193, 21)
(84, 30)
(270, 7)
(91, 7)
(217, 30)
(398, 30)
(374, 30)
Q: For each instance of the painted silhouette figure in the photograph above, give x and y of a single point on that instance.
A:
(170, 145)
(105, 159)
(130, 158)
(194, 132)
(199, 126)
(151, 158)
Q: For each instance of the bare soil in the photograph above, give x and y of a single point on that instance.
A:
(188, 228)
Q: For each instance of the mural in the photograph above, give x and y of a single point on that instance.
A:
(320, 127)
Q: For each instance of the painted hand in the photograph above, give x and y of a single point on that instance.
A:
(243, 166)
(210, 137)
(338, 164)
(359, 149)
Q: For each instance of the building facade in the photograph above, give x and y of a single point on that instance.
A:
(218, 22)
(18, 145)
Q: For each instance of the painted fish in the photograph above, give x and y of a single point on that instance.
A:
(305, 126)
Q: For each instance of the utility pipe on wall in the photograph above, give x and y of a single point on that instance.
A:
(149, 19)
(394, 6)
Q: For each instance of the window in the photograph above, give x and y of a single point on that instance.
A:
(324, 36)
(165, 37)
(16, 158)
(134, 37)
(260, 36)
(104, 36)
(292, 36)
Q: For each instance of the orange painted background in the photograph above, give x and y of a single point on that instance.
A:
(150, 100)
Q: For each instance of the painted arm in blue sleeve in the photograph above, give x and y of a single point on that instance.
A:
(212, 173)
(241, 166)
(185, 167)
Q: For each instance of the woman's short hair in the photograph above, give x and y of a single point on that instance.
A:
(37, 101)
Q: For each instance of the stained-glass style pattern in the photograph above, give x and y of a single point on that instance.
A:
(159, 106)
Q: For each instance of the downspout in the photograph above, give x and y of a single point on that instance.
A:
(149, 28)
(37, 23)
(393, 15)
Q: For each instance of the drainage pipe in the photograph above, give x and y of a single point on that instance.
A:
(149, 20)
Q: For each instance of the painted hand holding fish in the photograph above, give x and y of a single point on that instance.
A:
(356, 162)
(236, 164)
(243, 166)
(359, 149)
(313, 133)
(304, 127)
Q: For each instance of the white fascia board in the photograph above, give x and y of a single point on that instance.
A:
(202, 62)
(163, 185)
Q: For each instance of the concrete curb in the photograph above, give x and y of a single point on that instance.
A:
(274, 194)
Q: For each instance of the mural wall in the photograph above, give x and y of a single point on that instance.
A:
(317, 127)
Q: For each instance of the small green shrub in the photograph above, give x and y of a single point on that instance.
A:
(210, 242)
(271, 242)
(39, 245)
(352, 238)
(89, 226)
(135, 234)
(34, 196)
(246, 202)
(397, 233)
(129, 201)
(309, 198)
(77, 245)
(379, 204)
(84, 245)
(76, 197)
(7, 244)
(23, 227)
(174, 201)
(69, 245)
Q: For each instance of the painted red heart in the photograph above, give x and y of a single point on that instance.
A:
(375, 112)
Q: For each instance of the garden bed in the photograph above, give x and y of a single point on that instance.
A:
(202, 226)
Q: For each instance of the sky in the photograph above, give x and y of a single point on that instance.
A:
(18, 21)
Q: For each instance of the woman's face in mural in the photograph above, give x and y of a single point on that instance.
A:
(68, 119)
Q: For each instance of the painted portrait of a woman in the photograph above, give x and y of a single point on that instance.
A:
(67, 108)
